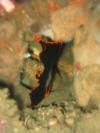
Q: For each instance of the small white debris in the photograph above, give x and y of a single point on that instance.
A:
(27, 55)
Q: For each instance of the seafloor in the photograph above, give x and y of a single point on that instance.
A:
(65, 110)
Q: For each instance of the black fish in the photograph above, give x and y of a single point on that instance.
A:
(50, 54)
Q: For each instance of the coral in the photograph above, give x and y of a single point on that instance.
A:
(89, 125)
(86, 52)
(9, 114)
(66, 21)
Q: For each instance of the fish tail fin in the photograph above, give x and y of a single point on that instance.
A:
(36, 95)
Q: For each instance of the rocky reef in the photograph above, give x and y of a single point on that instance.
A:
(74, 102)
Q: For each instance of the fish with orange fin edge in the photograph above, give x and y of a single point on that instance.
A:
(51, 51)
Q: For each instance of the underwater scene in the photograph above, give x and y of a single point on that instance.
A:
(49, 66)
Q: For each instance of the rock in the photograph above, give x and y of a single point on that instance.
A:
(5, 28)
(30, 123)
(55, 129)
(37, 128)
(86, 52)
(9, 114)
(52, 121)
(66, 21)
(87, 85)
(72, 114)
(89, 125)
(69, 122)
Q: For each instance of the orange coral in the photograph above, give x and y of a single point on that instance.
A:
(78, 65)
(76, 2)
(38, 38)
(53, 7)
(5, 46)
(80, 20)
(98, 23)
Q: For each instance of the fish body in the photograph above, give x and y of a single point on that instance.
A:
(49, 56)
